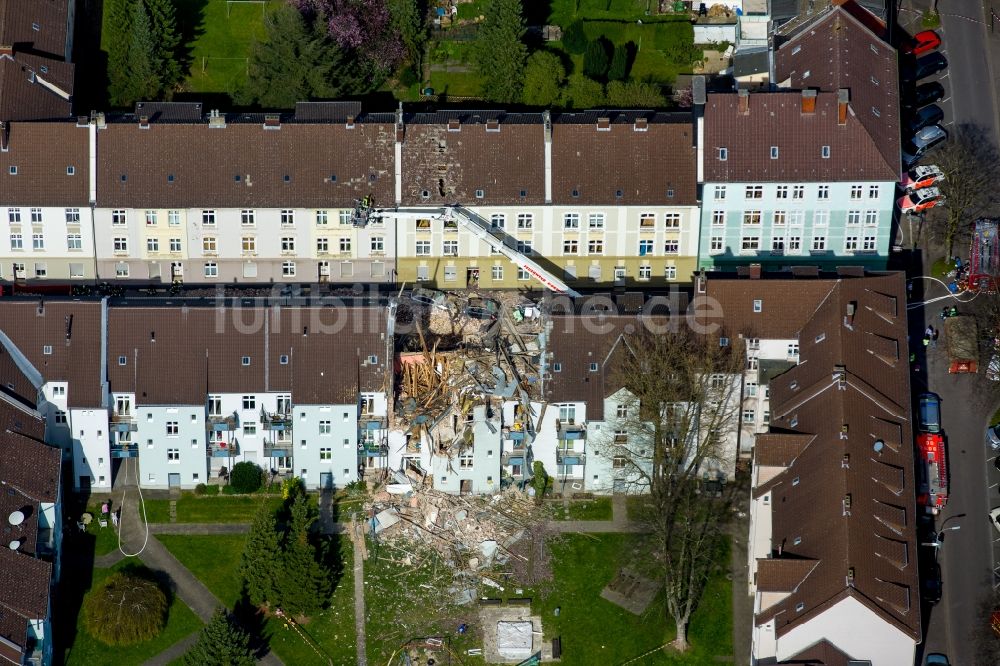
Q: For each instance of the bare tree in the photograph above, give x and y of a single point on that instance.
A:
(986, 632)
(969, 161)
(674, 436)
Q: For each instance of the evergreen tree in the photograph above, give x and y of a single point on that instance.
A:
(501, 51)
(408, 21)
(261, 558)
(143, 78)
(619, 64)
(584, 93)
(117, 23)
(595, 60)
(543, 79)
(297, 61)
(221, 643)
(304, 584)
(574, 38)
(163, 24)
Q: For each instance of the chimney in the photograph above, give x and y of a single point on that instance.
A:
(843, 97)
(350, 122)
(272, 121)
(215, 119)
(400, 127)
(744, 101)
(454, 125)
(97, 117)
(641, 125)
(754, 271)
(4, 136)
(6, 50)
(143, 122)
(604, 124)
(809, 101)
(492, 125)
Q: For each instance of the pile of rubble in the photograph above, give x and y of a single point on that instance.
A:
(476, 536)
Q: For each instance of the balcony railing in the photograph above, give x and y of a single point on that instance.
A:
(275, 421)
(278, 449)
(124, 450)
(572, 430)
(515, 433)
(570, 457)
(123, 422)
(223, 449)
(517, 455)
(371, 449)
(220, 423)
(369, 422)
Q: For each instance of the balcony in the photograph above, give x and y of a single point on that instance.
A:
(515, 456)
(515, 433)
(123, 422)
(124, 450)
(276, 422)
(220, 423)
(369, 422)
(223, 449)
(281, 449)
(370, 449)
(570, 457)
(569, 430)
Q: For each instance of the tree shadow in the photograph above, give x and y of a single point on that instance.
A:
(190, 19)
(90, 90)
(253, 621)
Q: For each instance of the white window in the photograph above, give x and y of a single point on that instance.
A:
(774, 152)
(524, 247)
(793, 349)
(718, 218)
(322, 245)
(750, 243)
(671, 246)
(423, 248)
(672, 220)
(647, 220)
(850, 243)
(571, 221)
(525, 220)
(288, 269)
(796, 217)
(345, 244)
(645, 272)
(118, 218)
(715, 244)
(172, 429)
(798, 192)
(749, 416)
(287, 217)
(208, 218)
(754, 192)
(751, 389)
(378, 244)
(326, 427)
(41, 270)
(856, 191)
(751, 217)
(72, 216)
(645, 247)
(326, 453)
(758, 305)
(794, 244)
(854, 217)
(151, 218)
(173, 455)
(496, 272)
(498, 221)
(346, 218)
(175, 244)
(14, 215)
(778, 218)
(249, 429)
(36, 215)
(823, 192)
(523, 275)
(573, 247)
(871, 217)
(121, 270)
(825, 152)
(211, 269)
(723, 154)
(620, 274)
(781, 192)
(60, 417)
(720, 192)
(174, 218)
(777, 244)
(819, 244)
(821, 218)
(16, 242)
(249, 244)
(595, 247)
(873, 191)
(209, 245)
(74, 242)
(57, 390)
(450, 248)
(869, 243)
(152, 244)
(288, 244)
(322, 218)
(670, 272)
(248, 217)
(38, 241)
(595, 220)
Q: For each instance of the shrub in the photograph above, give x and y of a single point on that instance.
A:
(246, 477)
(574, 39)
(291, 488)
(583, 93)
(634, 95)
(540, 481)
(125, 608)
(408, 77)
(228, 490)
(595, 60)
(200, 489)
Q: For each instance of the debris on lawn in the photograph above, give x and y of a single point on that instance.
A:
(631, 591)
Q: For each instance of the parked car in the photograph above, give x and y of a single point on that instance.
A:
(993, 437)
(936, 659)
(924, 94)
(929, 413)
(924, 140)
(920, 177)
(925, 66)
(932, 584)
(922, 42)
(921, 200)
(995, 518)
(929, 115)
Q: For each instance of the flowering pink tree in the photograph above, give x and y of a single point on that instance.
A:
(364, 26)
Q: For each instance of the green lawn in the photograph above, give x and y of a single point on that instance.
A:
(564, 11)
(637, 506)
(105, 538)
(193, 508)
(595, 631)
(214, 560)
(598, 508)
(88, 651)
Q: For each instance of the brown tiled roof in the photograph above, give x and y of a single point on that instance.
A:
(786, 305)
(42, 152)
(450, 161)
(643, 165)
(179, 355)
(29, 472)
(853, 514)
(779, 449)
(73, 330)
(782, 574)
(38, 25)
(24, 596)
(15, 386)
(823, 653)
(775, 119)
(24, 97)
(837, 51)
(327, 165)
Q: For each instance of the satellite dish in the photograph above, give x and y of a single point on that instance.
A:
(15, 518)
(879, 444)
(14, 545)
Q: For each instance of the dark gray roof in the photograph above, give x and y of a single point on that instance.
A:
(751, 61)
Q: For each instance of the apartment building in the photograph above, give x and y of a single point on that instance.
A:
(833, 552)
(253, 198)
(294, 390)
(805, 174)
(597, 197)
(31, 508)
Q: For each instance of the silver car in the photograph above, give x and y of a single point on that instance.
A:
(921, 142)
(993, 437)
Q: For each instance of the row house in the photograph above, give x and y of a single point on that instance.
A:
(32, 510)
(298, 391)
(832, 545)
(806, 173)
(598, 197)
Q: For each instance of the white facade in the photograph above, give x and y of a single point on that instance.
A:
(46, 243)
(171, 445)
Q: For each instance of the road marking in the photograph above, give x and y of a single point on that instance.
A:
(946, 99)
(945, 76)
